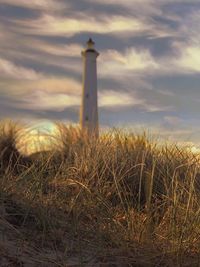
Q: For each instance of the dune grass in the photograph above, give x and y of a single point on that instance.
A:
(122, 199)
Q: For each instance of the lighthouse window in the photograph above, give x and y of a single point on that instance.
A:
(86, 118)
(87, 95)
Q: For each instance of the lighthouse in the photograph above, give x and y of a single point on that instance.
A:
(89, 108)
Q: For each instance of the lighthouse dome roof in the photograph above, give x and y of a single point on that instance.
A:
(90, 47)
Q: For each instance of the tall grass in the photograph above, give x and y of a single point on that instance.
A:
(122, 193)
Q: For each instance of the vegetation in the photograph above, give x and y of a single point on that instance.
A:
(121, 200)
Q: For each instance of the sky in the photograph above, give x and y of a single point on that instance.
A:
(148, 68)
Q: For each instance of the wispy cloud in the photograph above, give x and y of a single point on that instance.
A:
(113, 99)
(44, 5)
(48, 85)
(118, 64)
(59, 26)
(67, 50)
(136, 5)
(110, 98)
(45, 101)
(10, 70)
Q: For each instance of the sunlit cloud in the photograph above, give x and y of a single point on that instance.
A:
(110, 98)
(68, 50)
(53, 94)
(48, 85)
(10, 70)
(113, 99)
(54, 25)
(114, 63)
(120, 65)
(45, 101)
(59, 101)
(189, 59)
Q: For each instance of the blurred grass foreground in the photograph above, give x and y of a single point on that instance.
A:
(120, 200)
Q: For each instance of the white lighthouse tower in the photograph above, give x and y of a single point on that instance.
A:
(89, 109)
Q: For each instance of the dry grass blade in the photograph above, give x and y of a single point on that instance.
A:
(85, 196)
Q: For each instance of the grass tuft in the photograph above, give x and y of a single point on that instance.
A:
(120, 198)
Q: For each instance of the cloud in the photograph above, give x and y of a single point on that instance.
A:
(130, 63)
(116, 64)
(189, 59)
(67, 50)
(60, 26)
(76, 21)
(57, 94)
(59, 101)
(45, 57)
(151, 6)
(36, 4)
(110, 98)
(186, 43)
(45, 101)
(10, 70)
(119, 99)
(48, 85)
(136, 5)
(35, 97)
(186, 61)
